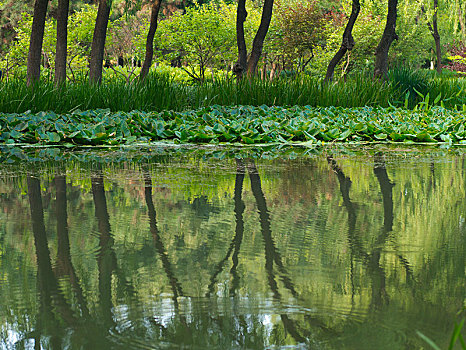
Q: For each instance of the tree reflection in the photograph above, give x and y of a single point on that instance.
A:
(372, 260)
(271, 253)
(106, 259)
(64, 266)
(52, 301)
(235, 244)
(174, 283)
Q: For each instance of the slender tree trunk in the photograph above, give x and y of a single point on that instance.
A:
(98, 42)
(389, 34)
(273, 70)
(433, 28)
(62, 41)
(241, 14)
(35, 43)
(436, 36)
(150, 39)
(264, 69)
(347, 42)
(461, 20)
(258, 42)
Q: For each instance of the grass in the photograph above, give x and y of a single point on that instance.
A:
(159, 92)
(456, 338)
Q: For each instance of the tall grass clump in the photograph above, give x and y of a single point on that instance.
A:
(157, 92)
(403, 88)
(411, 87)
(357, 92)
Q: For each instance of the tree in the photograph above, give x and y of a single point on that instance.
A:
(388, 36)
(241, 15)
(347, 42)
(200, 39)
(258, 43)
(296, 31)
(98, 42)
(62, 41)
(150, 39)
(35, 43)
(433, 28)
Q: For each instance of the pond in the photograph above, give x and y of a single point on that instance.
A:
(357, 248)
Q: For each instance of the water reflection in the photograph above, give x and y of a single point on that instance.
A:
(319, 252)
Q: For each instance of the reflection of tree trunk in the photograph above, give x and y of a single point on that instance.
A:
(64, 264)
(175, 285)
(356, 246)
(347, 42)
(47, 283)
(265, 226)
(239, 230)
(235, 244)
(379, 294)
(386, 188)
(106, 259)
(271, 254)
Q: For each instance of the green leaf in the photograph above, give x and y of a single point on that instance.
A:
(428, 341)
(456, 334)
(381, 136)
(424, 137)
(53, 137)
(247, 140)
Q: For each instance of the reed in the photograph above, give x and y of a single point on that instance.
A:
(160, 92)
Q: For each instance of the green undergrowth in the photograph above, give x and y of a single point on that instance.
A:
(242, 124)
(159, 92)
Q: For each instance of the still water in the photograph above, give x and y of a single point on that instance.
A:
(336, 250)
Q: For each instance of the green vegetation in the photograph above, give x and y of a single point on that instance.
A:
(169, 91)
(290, 46)
(245, 124)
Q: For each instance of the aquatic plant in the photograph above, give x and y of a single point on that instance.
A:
(240, 124)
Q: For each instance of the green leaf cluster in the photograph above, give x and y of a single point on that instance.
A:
(243, 124)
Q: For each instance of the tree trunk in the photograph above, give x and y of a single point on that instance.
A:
(258, 42)
(389, 34)
(273, 70)
(150, 39)
(264, 69)
(98, 42)
(241, 14)
(435, 34)
(35, 43)
(461, 20)
(347, 42)
(62, 41)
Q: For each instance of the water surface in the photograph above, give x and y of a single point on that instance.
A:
(325, 251)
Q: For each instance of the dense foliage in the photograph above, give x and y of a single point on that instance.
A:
(303, 36)
(243, 124)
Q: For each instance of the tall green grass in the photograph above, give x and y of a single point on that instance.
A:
(159, 92)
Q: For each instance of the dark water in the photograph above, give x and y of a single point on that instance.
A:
(331, 251)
